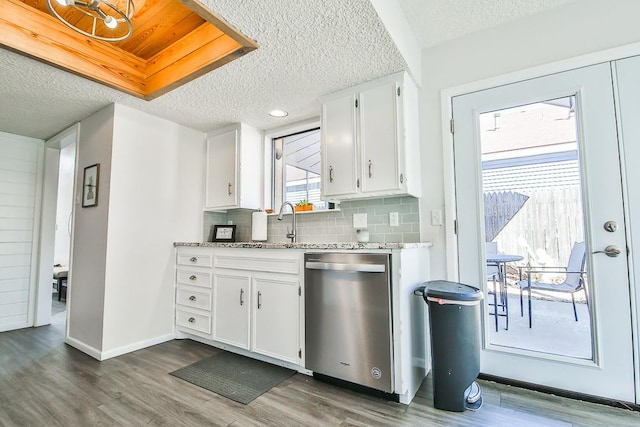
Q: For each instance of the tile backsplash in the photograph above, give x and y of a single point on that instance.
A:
(331, 226)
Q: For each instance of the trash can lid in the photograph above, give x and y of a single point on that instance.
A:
(451, 291)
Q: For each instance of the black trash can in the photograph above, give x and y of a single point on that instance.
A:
(454, 322)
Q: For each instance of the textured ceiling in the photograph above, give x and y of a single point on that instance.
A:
(306, 49)
(437, 21)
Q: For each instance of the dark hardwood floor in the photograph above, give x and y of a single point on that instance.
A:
(44, 382)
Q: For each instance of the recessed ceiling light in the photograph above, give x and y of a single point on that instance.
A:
(278, 113)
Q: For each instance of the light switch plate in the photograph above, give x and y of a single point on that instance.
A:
(436, 217)
(360, 220)
(394, 219)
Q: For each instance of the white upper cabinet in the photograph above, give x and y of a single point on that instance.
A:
(233, 170)
(339, 146)
(370, 144)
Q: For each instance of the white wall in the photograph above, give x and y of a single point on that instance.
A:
(86, 285)
(155, 200)
(576, 29)
(150, 195)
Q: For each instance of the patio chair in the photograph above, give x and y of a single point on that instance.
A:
(574, 280)
(495, 275)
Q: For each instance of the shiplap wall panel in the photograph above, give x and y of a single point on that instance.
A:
(14, 248)
(14, 297)
(12, 285)
(15, 260)
(18, 175)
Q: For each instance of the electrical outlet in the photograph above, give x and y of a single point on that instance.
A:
(394, 219)
(436, 217)
(360, 220)
(229, 222)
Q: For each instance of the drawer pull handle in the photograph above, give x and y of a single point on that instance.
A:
(192, 320)
(193, 277)
(192, 298)
(193, 259)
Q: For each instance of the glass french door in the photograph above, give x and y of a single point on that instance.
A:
(541, 230)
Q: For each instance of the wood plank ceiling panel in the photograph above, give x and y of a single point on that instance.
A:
(173, 42)
(159, 24)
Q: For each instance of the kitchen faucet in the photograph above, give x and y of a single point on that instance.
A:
(290, 235)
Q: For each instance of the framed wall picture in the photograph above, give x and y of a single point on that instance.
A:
(224, 233)
(90, 186)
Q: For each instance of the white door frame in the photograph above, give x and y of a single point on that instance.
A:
(48, 218)
(446, 95)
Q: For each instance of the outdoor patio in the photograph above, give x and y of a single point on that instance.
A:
(554, 329)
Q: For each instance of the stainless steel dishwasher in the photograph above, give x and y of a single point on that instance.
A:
(348, 318)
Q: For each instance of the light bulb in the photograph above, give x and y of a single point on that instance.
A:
(278, 113)
(110, 22)
(65, 2)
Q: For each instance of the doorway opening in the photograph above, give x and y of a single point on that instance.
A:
(64, 222)
(62, 236)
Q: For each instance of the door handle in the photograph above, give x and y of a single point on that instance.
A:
(610, 251)
(365, 268)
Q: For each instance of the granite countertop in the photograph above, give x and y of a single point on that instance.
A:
(343, 246)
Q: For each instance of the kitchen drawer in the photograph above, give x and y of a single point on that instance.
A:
(194, 298)
(194, 277)
(191, 320)
(195, 259)
(257, 263)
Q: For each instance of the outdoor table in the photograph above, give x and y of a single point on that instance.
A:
(500, 261)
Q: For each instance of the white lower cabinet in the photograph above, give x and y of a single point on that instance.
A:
(231, 297)
(258, 311)
(248, 300)
(193, 291)
(276, 318)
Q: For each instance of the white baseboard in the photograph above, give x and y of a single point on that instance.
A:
(104, 355)
(87, 349)
(136, 346)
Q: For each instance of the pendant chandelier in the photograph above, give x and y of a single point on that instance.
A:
(98, 19)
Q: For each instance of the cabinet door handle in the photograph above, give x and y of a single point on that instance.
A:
(401, 178)
(193, 259)
(370, 169)
(193, 277)
(241, 296)
(330, 173)
(192, 298)
(229, 188)
(192, 320)
(259, 300)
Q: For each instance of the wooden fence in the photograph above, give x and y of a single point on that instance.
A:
(546, 227)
